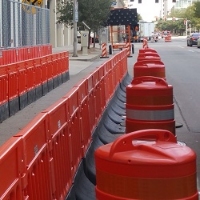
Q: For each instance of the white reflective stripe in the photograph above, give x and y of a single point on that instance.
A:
(150, 115)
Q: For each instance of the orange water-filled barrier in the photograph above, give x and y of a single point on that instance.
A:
(149, 68)
(149, 104)
(130, 168)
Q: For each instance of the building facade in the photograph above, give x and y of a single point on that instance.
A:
(61, 35)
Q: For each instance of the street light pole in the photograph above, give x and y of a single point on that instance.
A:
(75, 20)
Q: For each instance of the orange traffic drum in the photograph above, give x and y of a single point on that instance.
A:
(147, 50)
(161, 169)
(149, 104)
(149, 68)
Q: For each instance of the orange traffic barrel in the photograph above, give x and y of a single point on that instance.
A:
(148, 56)
(149, 68)
(130, 168)
(149, 104)
(147, 50)
(168, 38)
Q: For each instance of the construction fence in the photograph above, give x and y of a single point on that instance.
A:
(23, 25)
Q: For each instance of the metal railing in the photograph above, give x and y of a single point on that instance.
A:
(23, 25)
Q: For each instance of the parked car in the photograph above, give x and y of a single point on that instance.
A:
(192, 39)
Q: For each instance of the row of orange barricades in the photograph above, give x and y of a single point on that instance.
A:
(12, 55)
(147, 162)
(23, 82)
(41, 160)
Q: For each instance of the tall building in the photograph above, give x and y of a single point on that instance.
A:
(183, 3)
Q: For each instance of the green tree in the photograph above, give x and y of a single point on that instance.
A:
(197, 9)
(92, 12)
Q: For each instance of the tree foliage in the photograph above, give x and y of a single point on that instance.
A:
(92, 12)
(191, 14)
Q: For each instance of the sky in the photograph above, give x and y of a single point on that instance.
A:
(148, 9)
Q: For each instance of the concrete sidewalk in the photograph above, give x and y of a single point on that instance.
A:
(77, 64)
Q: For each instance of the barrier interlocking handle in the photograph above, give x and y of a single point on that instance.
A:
(142, 79)
(125, 142)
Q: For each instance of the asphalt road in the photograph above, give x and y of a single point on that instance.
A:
(183, 73)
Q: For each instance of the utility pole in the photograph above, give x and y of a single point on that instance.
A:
(75, 20)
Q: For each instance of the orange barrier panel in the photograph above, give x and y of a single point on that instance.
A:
(84, 114)
(149, 68)
(22, 84)
(74, 128)
(13, 84)
(38, 77)
(1, 56)
(9, 56)
(102, 87)
(133, 167)
(37, 182)
(4, 109)
(44, 69)
(96, 92)
(91, 103)
(30, 72)
(19, 54)
(49, 72)
(55, 71)
(12, 168)
(65, 65)
(59, 148)
(149, 104)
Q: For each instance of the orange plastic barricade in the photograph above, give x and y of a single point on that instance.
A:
(44, 69)
(49, 72)
(149, 68)
(149, 104)
(30, 71)
(55, 71)
(4, 109)
(1, 56)
(38, 161)
(19, 54)
(65, 66)
(128, 168)
(22, 84)
(38, 77)
(13, 78)
(9, 56)
(12, 168)
(97, 93)
(92, 102)
(74, 128)
(84, 113)
(102, 86)
(59, 148)
(60, 68)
